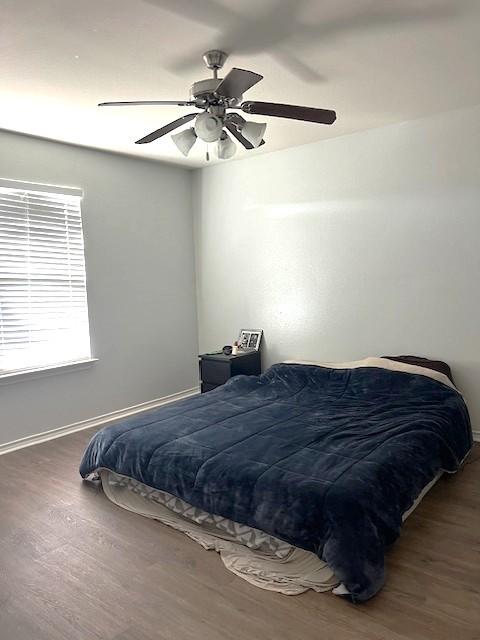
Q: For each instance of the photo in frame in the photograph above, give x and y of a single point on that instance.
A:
(250, 339)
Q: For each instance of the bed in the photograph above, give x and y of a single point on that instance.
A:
(306, 470)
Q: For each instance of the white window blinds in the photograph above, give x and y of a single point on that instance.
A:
(43, 297)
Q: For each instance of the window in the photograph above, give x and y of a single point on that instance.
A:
(43, 296)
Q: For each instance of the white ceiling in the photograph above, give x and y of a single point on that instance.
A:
(374, 61)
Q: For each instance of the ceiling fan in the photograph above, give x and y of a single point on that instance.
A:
(214, 97)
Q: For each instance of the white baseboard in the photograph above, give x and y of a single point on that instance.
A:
(476, 436)
(98, 421)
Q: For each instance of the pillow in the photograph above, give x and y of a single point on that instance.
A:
(436, 365)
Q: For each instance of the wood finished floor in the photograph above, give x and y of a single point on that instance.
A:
(74, 566)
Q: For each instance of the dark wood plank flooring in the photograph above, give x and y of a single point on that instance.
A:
(74, 566)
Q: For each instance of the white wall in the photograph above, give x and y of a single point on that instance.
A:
(362, 245)
(140, 275)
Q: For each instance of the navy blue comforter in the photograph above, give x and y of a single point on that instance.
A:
(325, 459)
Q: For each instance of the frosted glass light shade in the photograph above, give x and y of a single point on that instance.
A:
(253, 132)
(208, 127)
(226, 148)
(185, 140)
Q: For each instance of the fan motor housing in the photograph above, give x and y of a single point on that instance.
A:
(204, 88)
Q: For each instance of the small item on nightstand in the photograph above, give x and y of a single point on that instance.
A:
(235, 348)
(227, 350)
(250, 339)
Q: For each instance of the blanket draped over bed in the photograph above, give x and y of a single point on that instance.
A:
(326, 459)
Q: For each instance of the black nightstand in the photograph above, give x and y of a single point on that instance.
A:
(217, 368)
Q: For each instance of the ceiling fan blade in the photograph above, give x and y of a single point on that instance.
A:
(166, 129)
(178, 103)
(236, 82)
(231, 120)
(309, 114)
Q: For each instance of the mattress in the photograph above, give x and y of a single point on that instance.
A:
(254, 556)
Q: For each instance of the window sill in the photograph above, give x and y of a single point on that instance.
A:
(50, 370)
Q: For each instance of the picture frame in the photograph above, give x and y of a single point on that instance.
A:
(250, 339)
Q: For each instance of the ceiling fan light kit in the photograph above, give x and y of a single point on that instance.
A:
(219, 100)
